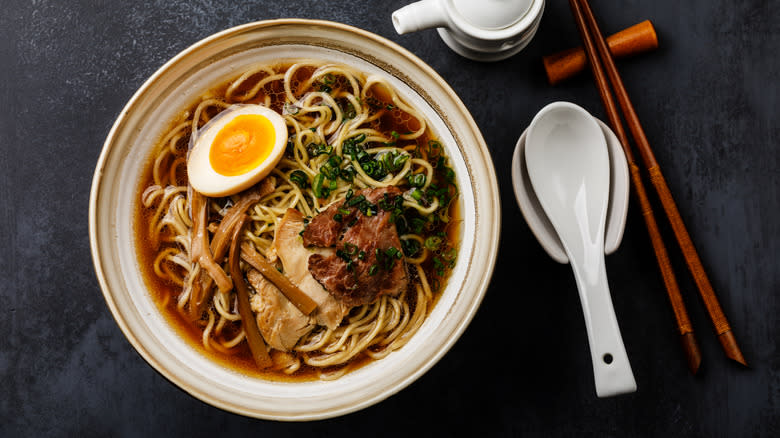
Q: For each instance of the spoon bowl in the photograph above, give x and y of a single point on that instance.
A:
(568, 165)
(536, 218)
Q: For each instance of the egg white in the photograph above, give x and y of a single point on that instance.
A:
(202, 175)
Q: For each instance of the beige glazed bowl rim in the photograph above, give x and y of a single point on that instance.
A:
(116, 177)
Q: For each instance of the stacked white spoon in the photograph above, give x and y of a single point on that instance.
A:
(568, 159)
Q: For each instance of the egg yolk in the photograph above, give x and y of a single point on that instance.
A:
(242, 145)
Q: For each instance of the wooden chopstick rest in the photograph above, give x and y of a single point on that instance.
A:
(633, 40)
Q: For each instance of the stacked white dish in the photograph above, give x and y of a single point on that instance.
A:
(488, 30)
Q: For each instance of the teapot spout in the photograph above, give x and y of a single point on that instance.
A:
(424, 14)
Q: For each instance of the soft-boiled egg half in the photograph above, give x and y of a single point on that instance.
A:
(236, 149)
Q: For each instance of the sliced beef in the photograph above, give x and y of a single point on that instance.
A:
(325, 231)
(279, 321)
(367, 262)
(294, 257)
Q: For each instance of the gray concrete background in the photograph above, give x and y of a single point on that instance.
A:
(708, 99)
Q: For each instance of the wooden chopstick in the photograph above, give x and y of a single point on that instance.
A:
(687, 337)
(587, 22)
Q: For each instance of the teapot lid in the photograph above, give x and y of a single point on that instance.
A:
(492, 14)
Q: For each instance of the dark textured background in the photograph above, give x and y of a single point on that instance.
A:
(708, 99)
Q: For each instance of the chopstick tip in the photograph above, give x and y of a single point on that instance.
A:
(731, 348)
(692, 353)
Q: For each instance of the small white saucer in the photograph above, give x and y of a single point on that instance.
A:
(536, 218)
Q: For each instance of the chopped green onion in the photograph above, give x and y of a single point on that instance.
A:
(318, 149)
(331, 172)
(410, 247)
(300, 178)
(417, 180)
(434, 149)
(355, 201)
(348, 173)
(350, 248)
(438, 266)
(349, 111)
(450, 255)
(317, 188)
(449, 175)
(433, 243)
(399, 161)
(417, 225)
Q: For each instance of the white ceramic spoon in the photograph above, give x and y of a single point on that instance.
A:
(568, 164)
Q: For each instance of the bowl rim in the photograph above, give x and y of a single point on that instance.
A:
(479, 149)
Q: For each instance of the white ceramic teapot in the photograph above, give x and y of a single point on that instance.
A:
(482, 30)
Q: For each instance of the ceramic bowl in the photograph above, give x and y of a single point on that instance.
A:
(178, 83)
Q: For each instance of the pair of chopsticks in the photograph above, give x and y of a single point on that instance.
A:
(598, 53)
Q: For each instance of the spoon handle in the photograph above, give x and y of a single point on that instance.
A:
(611, 368)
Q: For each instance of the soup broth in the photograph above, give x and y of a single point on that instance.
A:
(426, 221)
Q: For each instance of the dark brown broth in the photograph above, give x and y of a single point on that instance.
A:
(163, 290)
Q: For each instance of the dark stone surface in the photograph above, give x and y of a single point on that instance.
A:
(708, 99)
